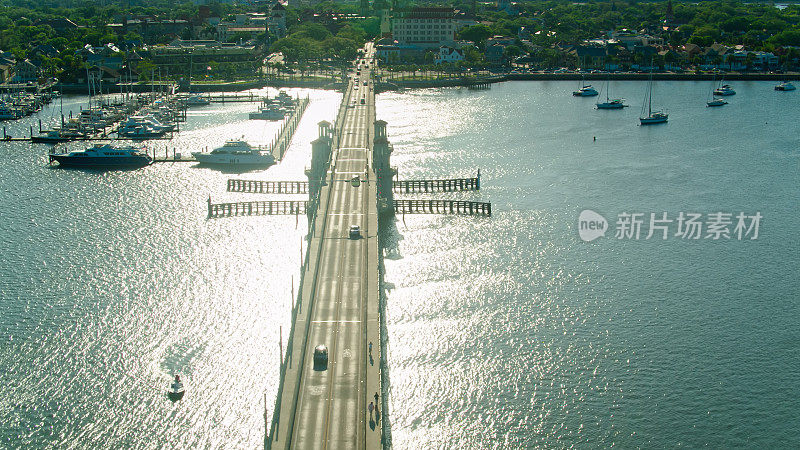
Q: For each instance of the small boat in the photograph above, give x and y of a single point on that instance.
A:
(284, 99)
(272, 112)
(785, 86)
(585, 91)
(176, 389)
(104, 156)
(8, 113)
(196, 100)
(714, 101)
(57, 136)
(725, 89)
(236, 153)
(140, 132)
(611, 103)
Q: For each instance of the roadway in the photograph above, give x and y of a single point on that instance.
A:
(327, 409)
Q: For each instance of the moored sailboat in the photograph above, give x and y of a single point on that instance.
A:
(652, 117)
(615, 103)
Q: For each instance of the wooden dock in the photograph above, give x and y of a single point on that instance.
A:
(450, 185)
(268, 187)
(286, 133)
(442, 207)
(236, 98)
(262, 208)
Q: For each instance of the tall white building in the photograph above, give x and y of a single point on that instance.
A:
(424, 27)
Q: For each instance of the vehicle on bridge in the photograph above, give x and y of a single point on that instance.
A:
(321, 357)
(355, 232)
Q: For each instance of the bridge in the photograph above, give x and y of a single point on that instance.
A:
(337, 305)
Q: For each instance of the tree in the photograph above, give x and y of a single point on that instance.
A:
(475, 33)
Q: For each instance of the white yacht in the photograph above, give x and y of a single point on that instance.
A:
(236, 153)
(785, 86)
(272, 112)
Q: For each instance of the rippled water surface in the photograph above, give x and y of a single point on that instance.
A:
(110, 282)
(504, 332)
(511, 332)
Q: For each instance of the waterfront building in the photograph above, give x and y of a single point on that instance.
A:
(424, 27)
(448, 55)
(25, 71)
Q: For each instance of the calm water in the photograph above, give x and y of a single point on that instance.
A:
(511, 332)
(506, 332)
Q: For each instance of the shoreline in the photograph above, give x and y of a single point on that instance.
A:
(391, 84)
(473, 81)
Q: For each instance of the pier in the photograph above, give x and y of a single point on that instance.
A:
(442, 207)
(259, 208)
(286, 133)
(448, 185)
(268, 187)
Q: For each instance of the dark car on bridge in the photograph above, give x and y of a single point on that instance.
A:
(321, 357)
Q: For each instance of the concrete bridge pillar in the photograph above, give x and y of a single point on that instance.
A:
(381, 152)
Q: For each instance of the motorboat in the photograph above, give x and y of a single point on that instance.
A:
(176, 389)
(272, 112)
(104, 156)
(236, 153)
(57, 136)
(725, 89)
(785, 86)
(284, 99)
(585, 91)
(8, 113)
(140, 132)
(149, 120)
(196, 100)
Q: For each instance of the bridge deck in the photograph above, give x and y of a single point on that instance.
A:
(327, 409)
